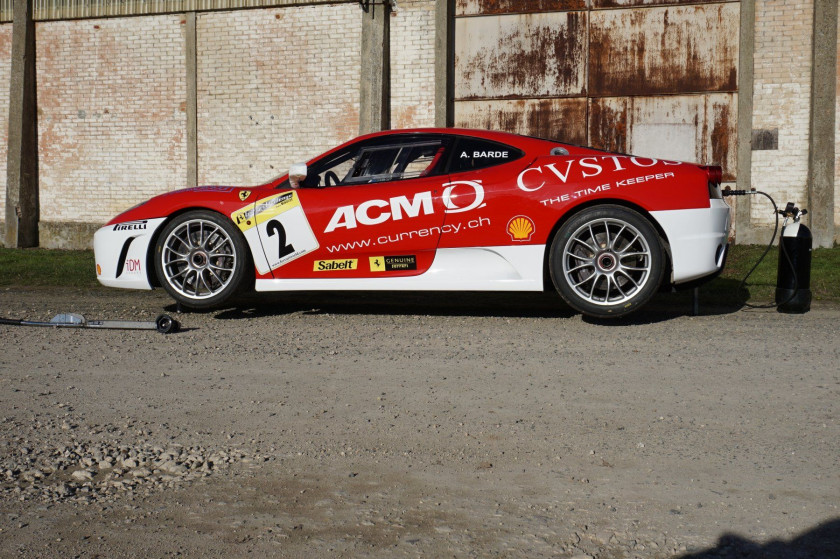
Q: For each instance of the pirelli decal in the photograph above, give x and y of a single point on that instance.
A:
(393, 263)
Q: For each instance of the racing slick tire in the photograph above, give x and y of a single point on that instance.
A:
(607, 261)
(201, 259)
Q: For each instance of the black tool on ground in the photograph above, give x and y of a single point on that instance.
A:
(164, 323)
(793, 277)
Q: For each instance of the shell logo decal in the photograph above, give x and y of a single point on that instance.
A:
(521, 228)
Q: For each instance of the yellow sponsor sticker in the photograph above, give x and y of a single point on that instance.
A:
(265, 209)
(335, 265)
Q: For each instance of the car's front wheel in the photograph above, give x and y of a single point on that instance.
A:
(201, 259)
(607, 261)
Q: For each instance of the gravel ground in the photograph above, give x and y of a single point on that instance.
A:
(351, 425)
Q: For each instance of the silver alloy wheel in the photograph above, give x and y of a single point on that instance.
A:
(198, 259)
(607, 261)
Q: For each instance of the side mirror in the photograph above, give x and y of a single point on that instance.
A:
(297, 173)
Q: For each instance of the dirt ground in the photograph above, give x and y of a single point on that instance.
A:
(361, 425)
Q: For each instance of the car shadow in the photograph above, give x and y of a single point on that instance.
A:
(540, 305)
(718, 299)
(822, 542)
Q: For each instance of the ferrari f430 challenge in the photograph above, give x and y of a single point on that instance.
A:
(433, 210)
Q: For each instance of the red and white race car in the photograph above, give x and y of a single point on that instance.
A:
(433, 209)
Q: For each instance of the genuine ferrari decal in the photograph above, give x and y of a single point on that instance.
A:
(521, 228)
(278, 224)
(334, 265)
(392, 263)
(243, 194)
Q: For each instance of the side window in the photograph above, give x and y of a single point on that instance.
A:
(395, 162)
(383, 159)
(474, 153)
(331, 171)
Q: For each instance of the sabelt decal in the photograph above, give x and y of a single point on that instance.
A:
(278, 224)
(140, 225)
(335, 265)
(521, 228)
(468, 196)
(393, 263)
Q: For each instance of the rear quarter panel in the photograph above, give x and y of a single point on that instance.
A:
(524, 199)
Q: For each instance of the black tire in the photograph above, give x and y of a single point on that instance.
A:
(607, 261)
(201, 259)
(165, 324)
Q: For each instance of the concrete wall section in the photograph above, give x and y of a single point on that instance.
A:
(781, 101)
(111, 120)
(275, 86)
(837, 147)
(413, 64)
(5, 72)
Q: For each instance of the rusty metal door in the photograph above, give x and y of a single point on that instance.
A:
(648, 77)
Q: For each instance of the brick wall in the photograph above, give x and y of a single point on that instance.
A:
(5, 69)
(111, 120)
(782, 99)
(275, 87)
(413, 64)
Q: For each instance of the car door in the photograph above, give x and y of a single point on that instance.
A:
(375, 210)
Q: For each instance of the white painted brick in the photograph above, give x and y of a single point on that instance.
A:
(283, 88)
(782, 89)
(111, 131)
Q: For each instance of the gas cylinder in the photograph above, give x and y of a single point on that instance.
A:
(793, 280)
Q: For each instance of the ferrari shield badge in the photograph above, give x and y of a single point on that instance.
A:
(243, 194)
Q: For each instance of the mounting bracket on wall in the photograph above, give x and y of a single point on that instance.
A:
(365, 4)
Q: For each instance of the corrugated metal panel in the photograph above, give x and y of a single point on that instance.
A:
(487, 7)
(556, 119)
(530, 55)
(597, 4)
(664, 50)
(698, 128)
(73, 9)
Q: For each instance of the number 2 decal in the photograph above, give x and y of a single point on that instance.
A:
(280, 219)
(275, 227)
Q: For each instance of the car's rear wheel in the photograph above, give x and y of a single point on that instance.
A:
(607, 261)
(201, 259)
